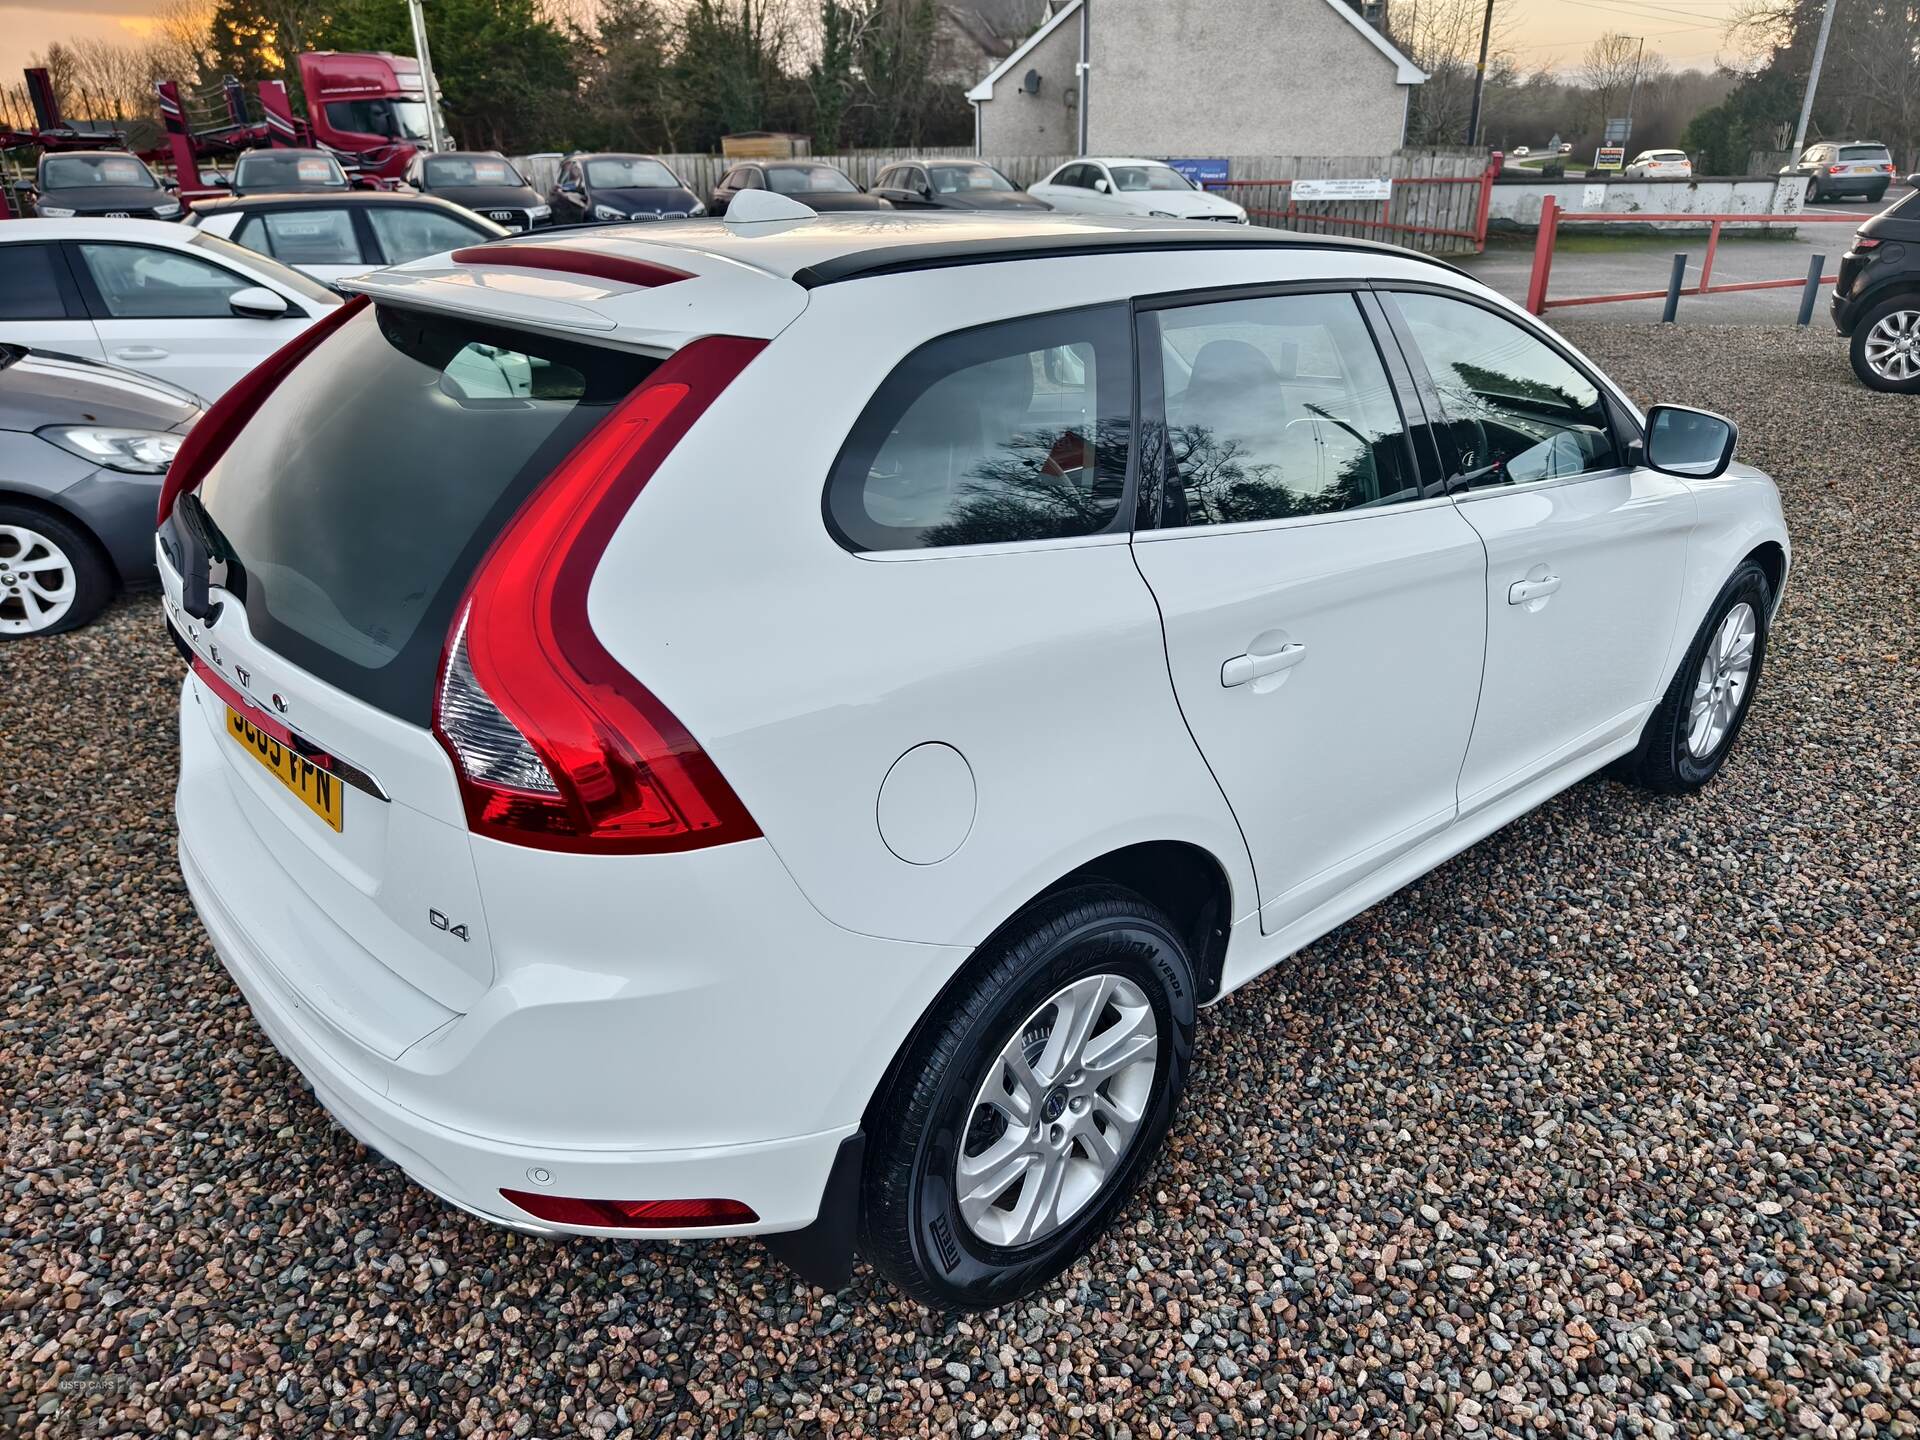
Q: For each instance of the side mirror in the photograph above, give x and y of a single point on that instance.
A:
(1692, 444)
(1102, 186)
(256, 302)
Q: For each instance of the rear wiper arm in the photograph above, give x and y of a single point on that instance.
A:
(196, 558)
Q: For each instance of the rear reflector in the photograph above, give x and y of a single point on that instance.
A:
(632, 1214)
(227, 416)
(556, 745)
(594, 263)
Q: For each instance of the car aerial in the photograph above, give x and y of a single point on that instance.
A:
(1660, 165)
(1876, 296)
(166, 300)
(951, 185)
(1132, 187)
(817, 185)
(288, 172)
(798, 768)
(613, 187)
(484, 181)
(330, 237)
(1834, 170)
(107, 183)
(83, 447)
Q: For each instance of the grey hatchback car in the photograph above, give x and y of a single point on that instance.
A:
(83, 450)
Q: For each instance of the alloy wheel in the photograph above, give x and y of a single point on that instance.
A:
(1893, 346)
(37, 581)
(1720, 687)
(1059, 1110)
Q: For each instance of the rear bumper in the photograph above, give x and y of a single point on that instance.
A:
(592, 1067)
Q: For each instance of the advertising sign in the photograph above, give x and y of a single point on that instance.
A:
(1362, 189)
(1202, 172)
(1610, 157)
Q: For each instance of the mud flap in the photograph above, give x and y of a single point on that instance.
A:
(822, 1253)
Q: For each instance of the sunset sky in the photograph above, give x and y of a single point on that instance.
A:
(1549, 32)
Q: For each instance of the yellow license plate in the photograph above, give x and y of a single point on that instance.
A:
(317, 789)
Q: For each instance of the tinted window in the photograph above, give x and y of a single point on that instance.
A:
(953, 179)
(799, 179)
(1010, 432)
(305, 237)
(62, 172)
(1276, 407)
(361, 495)
(471, 170)
(634, 173)
(137, 282)
(1514, 409)
(265, 170)
(29, 287)
(1865, 152)
(406, 233)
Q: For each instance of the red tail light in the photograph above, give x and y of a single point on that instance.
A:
(213, 432)
(1836, 169)
(556, 745)
(632, 1214)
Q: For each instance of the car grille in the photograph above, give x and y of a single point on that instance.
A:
(512, 219)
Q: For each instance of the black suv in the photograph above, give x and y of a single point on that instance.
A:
(485, 182)
(99, 182)
(1876, 298)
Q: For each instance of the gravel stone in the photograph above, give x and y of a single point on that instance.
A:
(1653, 1064)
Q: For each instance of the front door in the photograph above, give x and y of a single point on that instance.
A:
(167, 314)
(1585, 552)
(1323, 616)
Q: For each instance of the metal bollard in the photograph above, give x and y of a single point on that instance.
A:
(1812, 292)
(1674, 282)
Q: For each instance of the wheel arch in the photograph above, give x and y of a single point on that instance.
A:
(54, 510)
(1186, 880)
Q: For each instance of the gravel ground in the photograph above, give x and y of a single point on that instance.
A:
(1608, 1127)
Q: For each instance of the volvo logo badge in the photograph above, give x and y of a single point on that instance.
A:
(278, 703)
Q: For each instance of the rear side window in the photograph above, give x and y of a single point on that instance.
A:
(355, 505)
(406, 234)
(1011, 432)
(29, 283)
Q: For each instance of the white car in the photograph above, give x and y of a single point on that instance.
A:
(1660, 165)
(1132, 187)
(1522, 151)
(157, 297)
(798, 767)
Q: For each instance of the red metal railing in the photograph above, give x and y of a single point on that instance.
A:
(1552, 217)
(1294, 215)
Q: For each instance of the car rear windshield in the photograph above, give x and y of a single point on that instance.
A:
(353, 508)
(1864, 152)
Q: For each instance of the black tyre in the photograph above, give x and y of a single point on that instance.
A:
(1692, 729)
(53, 577)
(1877, 194)
(1814, 196)
(1025, 1112)
(1885, 345)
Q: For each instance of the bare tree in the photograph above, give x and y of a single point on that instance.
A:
(1443, 38)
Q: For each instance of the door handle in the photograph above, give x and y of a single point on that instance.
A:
(139, 352)
(1524, 590)
(1242, 668)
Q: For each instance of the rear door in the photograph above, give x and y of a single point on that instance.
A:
(1323, 614)
(40, 304)
(1586, 552)
(167, 313)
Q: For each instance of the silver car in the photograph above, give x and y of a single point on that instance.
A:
(83, 450)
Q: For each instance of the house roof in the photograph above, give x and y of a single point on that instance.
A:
(1405, 71)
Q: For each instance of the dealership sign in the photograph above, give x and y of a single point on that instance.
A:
(1610, 157)
(1366, 189)
(1203, 172)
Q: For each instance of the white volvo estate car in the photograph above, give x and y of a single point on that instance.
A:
(773, 726)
